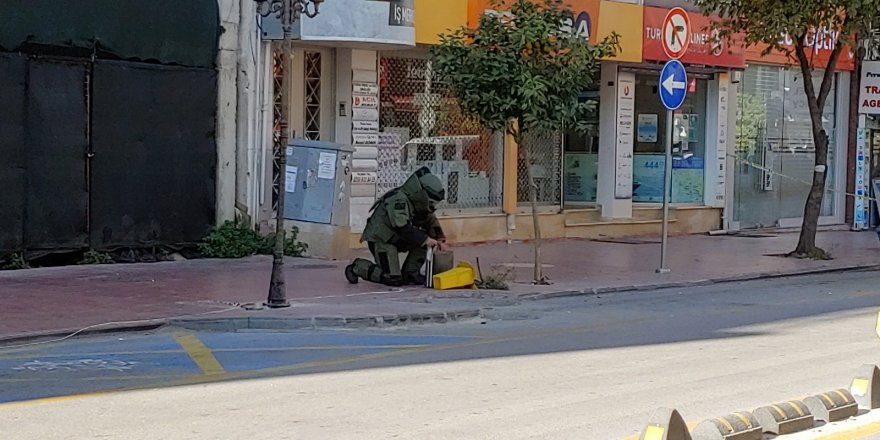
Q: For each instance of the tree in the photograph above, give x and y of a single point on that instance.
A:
(769, 23)
(521, 72)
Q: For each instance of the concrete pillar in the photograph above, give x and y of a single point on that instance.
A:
(227, 103)
(613, 204)
(247, 111)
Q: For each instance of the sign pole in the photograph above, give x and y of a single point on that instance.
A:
(667, 188)
(672, 89)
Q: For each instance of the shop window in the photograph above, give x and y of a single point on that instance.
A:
(422, 124)
(775, 149)
(581, 155)
(688, 143)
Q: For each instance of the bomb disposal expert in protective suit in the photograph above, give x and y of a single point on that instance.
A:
(402, 220)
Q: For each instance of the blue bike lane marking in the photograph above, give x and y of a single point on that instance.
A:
(113, 363)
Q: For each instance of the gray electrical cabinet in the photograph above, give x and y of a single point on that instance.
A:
(318, 185)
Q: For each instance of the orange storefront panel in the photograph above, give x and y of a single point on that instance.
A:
(820, 47)
(593, 18)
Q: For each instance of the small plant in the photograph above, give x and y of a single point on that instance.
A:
(237, 240)
(497, 280)
(15, 261)
(96, 257)
(232, 239)
(292, 247)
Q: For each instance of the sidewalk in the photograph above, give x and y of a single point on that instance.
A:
(56, 300)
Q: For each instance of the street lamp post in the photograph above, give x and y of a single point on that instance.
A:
(288, 12)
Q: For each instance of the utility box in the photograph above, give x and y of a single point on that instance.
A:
(317, 195)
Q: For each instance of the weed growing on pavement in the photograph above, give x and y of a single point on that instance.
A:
(235, 239)
(96, 257)
(15, 262)
(497, 280)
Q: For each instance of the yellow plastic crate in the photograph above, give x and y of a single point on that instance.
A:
(462, 276)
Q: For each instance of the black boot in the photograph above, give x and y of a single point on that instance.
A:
(350, 275)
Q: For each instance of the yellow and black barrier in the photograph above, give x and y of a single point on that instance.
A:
(865, 387)
(665, 424)
(737, 426)
(832, 406)
(784, 418)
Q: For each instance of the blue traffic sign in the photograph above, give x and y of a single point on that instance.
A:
(673, 84)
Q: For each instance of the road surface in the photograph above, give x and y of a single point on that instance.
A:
(592, 367)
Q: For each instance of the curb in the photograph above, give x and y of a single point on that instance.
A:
(248, 323)
(697, 283)
(280, 323)
(42, 337)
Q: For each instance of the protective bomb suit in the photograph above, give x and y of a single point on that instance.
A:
(402, 220)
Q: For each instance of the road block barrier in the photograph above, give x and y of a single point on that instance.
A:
(665, 424)
(784, 418)
(865, 387)
(832, 406)
(736, 426)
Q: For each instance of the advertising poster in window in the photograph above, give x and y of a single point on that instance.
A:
(581, 177)
(648, 128)
(648, 185)
(687, 180)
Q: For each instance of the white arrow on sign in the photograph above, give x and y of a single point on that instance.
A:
(670, 83)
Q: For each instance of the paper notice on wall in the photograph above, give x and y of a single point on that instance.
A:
(290, 179)
(327, 166)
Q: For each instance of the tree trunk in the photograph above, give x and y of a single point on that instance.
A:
(533, 200)
(806, 247)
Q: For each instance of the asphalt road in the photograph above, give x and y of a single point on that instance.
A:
(587, 367)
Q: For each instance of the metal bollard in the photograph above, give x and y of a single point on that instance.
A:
(832, 406)
(784, 418)
(665, 424)
(866, 387)
(736, 426)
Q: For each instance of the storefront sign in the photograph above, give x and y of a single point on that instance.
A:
(703, 45)
(365, 114)
(365, 139)
(591, 19)
(365, 126)
(402, 13)
(723, 129)
(869, 98)
(378, 22)
(585, 15)
(365, 101)
(862, 190)
(363, 88)
(820, 45)
(623, 176)
(364, 178)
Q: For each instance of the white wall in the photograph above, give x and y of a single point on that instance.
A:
(227, 107)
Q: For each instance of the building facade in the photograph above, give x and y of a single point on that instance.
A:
(361, 75)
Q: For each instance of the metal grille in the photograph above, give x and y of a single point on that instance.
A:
(313, 95)
(546, 163)
(423, 125)
(279, 124)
